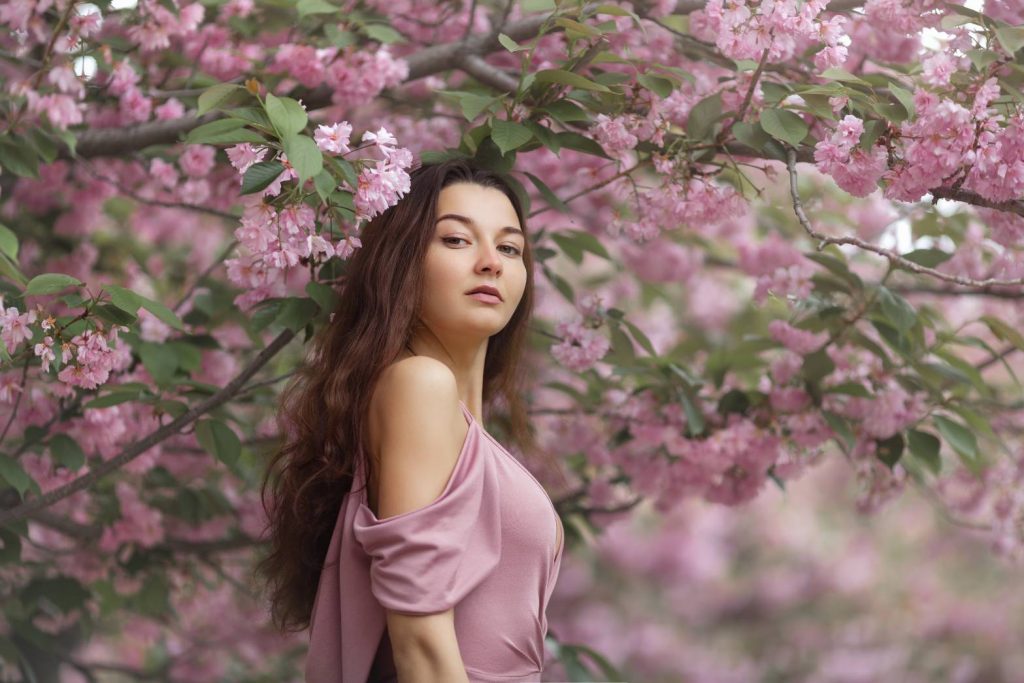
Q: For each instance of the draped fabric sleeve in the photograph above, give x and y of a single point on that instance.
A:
(426, 560)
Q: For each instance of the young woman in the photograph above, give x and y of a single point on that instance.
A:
(414, 546)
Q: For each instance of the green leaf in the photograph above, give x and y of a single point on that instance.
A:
(67, 451)
(509, 44)
(641, 338)
(1003, 331)
(784, 125)
(307, 7)
(471, 104)
(837, 74)
(11, 472)
(304, 156)
(925, 447)
(906, 99)
(550, 197)
(890, 450)
(8, 242)
(575, 242)
(260, 175)
(162, 313)
(160, 360)
(324, 296)
(212, 97)
(960, 438)
(817, 365)
(509, 135)
(50, 283)
(547, 137)
(125, 299)
(896, 309)
(219, 440)
(223, 131)
(566, 112)
(382, 33)
(694, 418)
(325, 184)
(63, 592)
(1010, 37)
(18, 157)
(580, 143)
(286, 114)
(112, 399)
(662, 87)
(703, 116)
(928, 257)
(296, 312)
(564, 77)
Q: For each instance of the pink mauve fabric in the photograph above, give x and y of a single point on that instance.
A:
(487, 546)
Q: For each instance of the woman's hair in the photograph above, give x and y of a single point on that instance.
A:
(323, 410)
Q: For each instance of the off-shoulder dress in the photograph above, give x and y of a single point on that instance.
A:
(489, 545)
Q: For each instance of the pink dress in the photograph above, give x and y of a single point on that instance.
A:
(486, 545)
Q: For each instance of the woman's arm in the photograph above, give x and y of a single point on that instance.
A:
(425, 648)
(421, 428)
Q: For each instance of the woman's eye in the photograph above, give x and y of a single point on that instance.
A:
(515, 250)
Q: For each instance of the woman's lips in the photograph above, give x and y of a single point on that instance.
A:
(485, 298)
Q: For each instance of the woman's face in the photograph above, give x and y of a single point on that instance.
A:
(477, 241)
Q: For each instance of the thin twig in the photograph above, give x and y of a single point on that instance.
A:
(894, 258)
(141, 446)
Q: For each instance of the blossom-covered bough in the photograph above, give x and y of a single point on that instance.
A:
(768, 232)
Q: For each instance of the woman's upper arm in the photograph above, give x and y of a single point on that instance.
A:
(421, 430)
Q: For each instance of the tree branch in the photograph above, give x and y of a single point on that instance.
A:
(894, 258)
(139, 447)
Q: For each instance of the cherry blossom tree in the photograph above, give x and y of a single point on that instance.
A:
(768, 234)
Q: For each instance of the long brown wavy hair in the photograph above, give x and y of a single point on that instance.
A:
(323, 410)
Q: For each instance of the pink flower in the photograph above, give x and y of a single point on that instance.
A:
(197, 160)
(382, 138)
(244, 155)
(14, 327)
(164, 173)
(613, 136)
(171, 109)
(581, 347)
(796, 340)
(135, 107)
(334, 139)
(44, 351)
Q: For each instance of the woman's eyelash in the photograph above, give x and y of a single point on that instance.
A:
(444, 239)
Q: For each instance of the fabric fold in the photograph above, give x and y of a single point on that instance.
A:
(419, 562)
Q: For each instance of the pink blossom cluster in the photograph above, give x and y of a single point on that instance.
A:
(138, 523)
(889, 410)
(994, 500)
(855, 170)
(14, 326)
(581, 346)
(779, 267)
(796, 340)
(95, 358)
(935, 145)
(157, 24)
(360, 76)
(729, 466)
(619, 135)
(744, 30)
(699, 204)
(305, 63)
(381, 185)
(273, 242)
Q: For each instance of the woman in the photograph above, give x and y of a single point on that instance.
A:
(411, 543)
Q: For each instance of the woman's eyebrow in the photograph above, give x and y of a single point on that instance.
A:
(471, 222)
